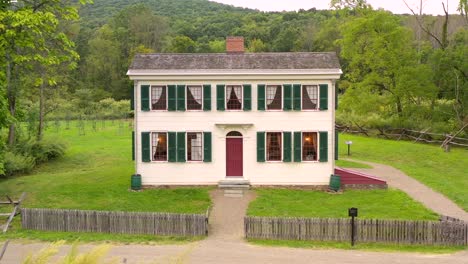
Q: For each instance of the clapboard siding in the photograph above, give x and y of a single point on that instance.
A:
(367, 230)
(354, 177)
(114, 222)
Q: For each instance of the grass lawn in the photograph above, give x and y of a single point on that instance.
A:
(446, 172)
(351, 164)
(386, 204)
(358, 246)
(95, 175)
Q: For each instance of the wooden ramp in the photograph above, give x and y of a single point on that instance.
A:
(359, 180)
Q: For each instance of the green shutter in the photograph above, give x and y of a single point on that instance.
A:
(336, 144)
(220, 97)
(260, 146)
(287, 146)
(132, 100)
(145, 147)
(172, 147)
(145, 98)
(207, 147)
(207, 97)
(133, 145)
(180, 146)
(261, 97)
(172, 102)
(336, 96)
(180, 97)
(287, 97)
(297, 97)
(247, 97)
(297, 146)
(323, 145)
(323, 97)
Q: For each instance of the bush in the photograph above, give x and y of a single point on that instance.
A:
(42, 151)
(17, 163)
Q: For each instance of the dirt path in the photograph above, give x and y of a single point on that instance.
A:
(418, 191)
(225, 244)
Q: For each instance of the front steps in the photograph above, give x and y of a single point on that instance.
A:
(234, 188)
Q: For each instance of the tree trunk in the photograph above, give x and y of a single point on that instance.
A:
(399, 106)
(40, 129)
(11, 101)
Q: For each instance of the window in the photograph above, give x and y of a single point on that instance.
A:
(194, 98)
(158, 98)
(234, 97)
(194, 147)
(159, 146)
(309, 146)
(273, 146)
(309, 97)
(274, 97)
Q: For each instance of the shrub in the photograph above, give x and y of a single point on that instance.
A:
(42, 151)
(17, 163)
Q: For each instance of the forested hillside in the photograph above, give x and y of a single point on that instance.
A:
(399, 70)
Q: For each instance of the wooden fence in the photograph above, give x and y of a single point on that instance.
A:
(367, 230)
(114, 222)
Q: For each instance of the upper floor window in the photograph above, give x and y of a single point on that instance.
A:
(233, 97)
(310, 97)
(194, 146)
(273, 146)
(194, 98)
(309, 146)
(274, 97)
(158, 98)
(159, 146)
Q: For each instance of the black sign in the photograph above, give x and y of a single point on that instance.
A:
(353, 212)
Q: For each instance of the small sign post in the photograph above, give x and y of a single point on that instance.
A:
(353, 212)
(349, 143)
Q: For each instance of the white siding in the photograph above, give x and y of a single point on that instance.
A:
(267, 173)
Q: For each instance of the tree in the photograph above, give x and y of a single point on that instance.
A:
(257, 45)
(182, 44)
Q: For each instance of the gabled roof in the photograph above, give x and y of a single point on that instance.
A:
(243, 61)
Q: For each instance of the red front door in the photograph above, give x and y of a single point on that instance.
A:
(234, 157)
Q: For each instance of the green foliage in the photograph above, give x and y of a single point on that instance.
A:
(16, 163)
(382, 204)
(42, 151)
(182, 44)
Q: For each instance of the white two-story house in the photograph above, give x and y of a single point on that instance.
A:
(264, 118)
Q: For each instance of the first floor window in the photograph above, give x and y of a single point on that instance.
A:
(274, 97)
(158, 97)
(234, 97)
(194, 146)
(194, 97)
(159, 146)
(273, 146)
(310, 97)
(309, 146)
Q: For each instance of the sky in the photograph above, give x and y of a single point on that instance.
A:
(396, 6)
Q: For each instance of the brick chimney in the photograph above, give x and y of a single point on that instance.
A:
(235, 45)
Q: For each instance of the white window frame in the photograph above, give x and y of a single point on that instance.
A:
(318, 146)
(282, 98)
(151, 97)
(318, 98)
(167, 146)
(202, 147)
(186, 100)
(226, 101)
(282, 146)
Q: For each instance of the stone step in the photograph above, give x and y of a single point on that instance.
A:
(234, 187)
(233, 195)
(235, 191)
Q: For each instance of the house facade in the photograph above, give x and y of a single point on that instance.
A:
(265, 118)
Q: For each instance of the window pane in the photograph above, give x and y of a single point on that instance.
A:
(309, 96)
(274, 94)
(194, 97)
(194, 146)
(159, 146)
(158, 97)
(309, 146)
(234, 97)
(274, 146)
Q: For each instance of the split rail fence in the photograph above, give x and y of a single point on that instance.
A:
(114, 222)
(367, 230)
